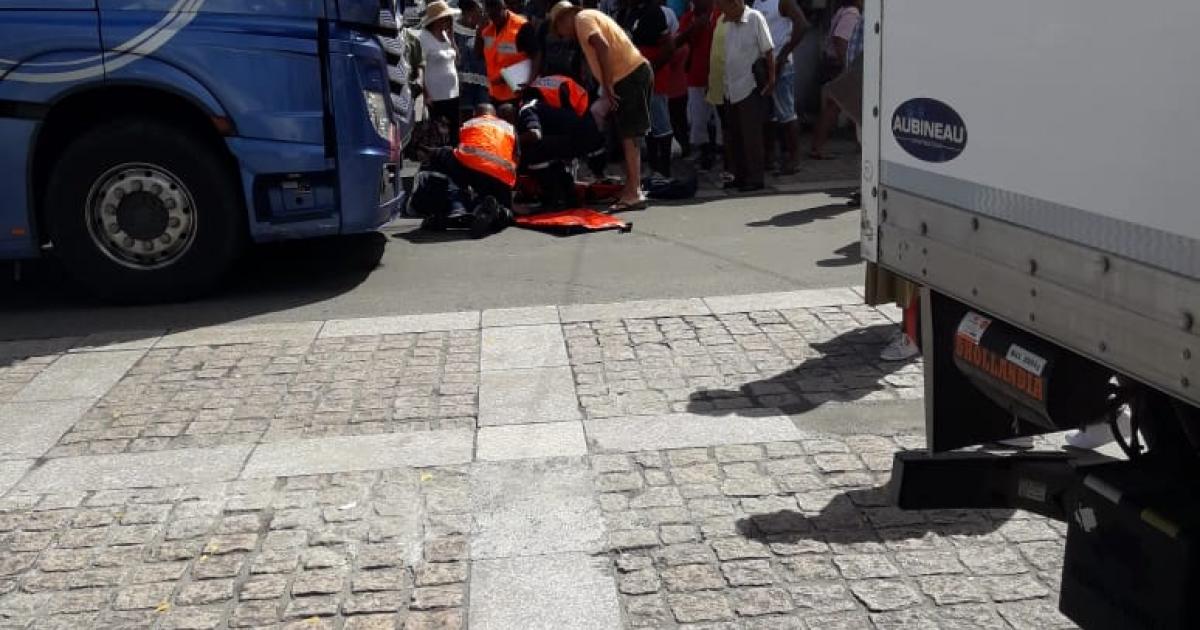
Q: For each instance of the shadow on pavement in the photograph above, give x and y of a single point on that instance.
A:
(847, 365)
(422, 236)
(864, 516)
(848, 255)
(797, 218)
(47, 303)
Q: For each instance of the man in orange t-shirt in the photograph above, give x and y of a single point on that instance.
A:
(625, 78)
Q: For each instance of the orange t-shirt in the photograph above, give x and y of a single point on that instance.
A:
(623, 56)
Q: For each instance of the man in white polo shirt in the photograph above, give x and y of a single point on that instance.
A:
(745, 93)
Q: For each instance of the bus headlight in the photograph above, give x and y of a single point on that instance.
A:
(378, 111)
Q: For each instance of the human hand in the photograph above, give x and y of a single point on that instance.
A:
(611, 95)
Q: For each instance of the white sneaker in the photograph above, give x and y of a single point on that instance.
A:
(1094, 436)
(901, 348)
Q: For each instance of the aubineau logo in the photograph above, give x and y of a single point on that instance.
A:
(929, 130)
(144, 43)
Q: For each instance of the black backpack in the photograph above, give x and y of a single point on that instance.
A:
(670, 189)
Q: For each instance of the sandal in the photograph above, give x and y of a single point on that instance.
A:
(626, 206)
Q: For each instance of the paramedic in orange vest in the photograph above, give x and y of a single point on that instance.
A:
(555, 126)
(484, 167)
(497, 43)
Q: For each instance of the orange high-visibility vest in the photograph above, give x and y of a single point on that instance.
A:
(499, 52)
(554, 88)
(488, 145)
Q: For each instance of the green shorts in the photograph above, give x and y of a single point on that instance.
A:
(633, 114)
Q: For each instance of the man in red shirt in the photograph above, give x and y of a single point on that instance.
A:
(696, 32)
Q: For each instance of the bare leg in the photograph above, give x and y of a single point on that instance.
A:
(791, 141)
(632, 193)
(829, 114)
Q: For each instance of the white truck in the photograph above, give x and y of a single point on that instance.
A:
(1034, 166)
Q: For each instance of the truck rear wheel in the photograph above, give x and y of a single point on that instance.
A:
(143, 211)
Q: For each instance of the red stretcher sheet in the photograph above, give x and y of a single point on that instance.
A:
(573, 219)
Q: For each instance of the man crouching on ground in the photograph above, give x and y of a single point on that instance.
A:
(483, 169)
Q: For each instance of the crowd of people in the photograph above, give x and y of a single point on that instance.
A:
(556, 83)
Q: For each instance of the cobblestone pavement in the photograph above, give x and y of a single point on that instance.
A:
(376, 549)
(711, 463)
(800, 534)
(767, 359)
(273, 391)
(17, 375)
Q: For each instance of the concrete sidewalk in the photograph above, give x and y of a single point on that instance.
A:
(693, 463)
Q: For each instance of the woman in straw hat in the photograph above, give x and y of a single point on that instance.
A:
(441, 74)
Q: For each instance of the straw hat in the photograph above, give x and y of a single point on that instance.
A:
(558, 10)
(435, 11)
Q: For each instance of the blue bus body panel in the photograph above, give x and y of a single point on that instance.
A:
(16, 234)
(255, 62)
(247, 8)
(36, 41)
(362, 154)
(49, 5)
(264, 71)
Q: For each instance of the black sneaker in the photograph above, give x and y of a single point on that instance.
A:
(486, 214)
(434, 224)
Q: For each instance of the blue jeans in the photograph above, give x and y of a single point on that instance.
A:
(783, 99)
(660, 116)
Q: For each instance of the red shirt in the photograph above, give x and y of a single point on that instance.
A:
(669, 80)
(700, 45)
(676, 84)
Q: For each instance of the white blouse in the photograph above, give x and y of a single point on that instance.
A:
(441, 76)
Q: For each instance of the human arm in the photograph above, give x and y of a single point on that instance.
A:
(653, 25)
(666, 50)
(686, 26)
(792, 12)
(842, 31)
(840, 48)
(771, 73)
(766, 50)
(479, 37)
(448, 34)
(529, 125)
(600, 46)
(531, 42)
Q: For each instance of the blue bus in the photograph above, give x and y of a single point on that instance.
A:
(145, 143)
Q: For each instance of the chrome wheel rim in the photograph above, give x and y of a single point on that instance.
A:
(141, 216)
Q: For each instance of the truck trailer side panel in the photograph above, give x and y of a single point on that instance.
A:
(1036, 161)
(1081, 117)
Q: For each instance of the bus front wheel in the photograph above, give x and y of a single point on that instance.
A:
(143, 211)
